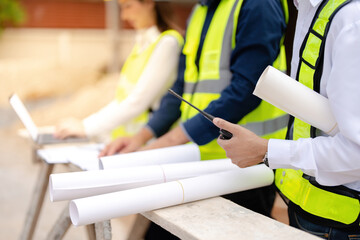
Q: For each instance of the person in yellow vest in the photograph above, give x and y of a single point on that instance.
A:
(318, 175)
(228, 43)
(145, 76)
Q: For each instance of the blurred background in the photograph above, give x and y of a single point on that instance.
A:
(58, 56)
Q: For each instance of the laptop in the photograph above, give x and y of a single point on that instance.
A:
(36, 136)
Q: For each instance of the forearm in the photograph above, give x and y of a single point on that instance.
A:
(175, 137)
(158, 75)
(332, 160)
(143, 136)
(329, 159)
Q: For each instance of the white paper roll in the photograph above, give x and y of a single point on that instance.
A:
(181, 153)
(69, 186)
(296, 99)
(112, 205)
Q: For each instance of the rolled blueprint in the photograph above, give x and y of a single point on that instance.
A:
(68, 186)
(181, 153)
(296, 99)
(112, 205)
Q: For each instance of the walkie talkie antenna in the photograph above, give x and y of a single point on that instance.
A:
(205, 114)
(223, 133)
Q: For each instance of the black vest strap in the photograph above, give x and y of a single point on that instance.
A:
(320, 61)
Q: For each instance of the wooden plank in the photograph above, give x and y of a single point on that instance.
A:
(90, 229)
(34, 157)
(103, 230)
(139, 228)
(62, 225)
(219, 218)
(36, 201)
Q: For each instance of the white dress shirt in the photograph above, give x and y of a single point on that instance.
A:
(332, 160)
(158, 75)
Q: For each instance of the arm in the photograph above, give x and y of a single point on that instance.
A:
(167, 115)
(260, 28)
(159, 123)
(332, 160)
(253, 52)
(158, 75)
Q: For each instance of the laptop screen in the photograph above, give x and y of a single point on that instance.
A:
(24, 116)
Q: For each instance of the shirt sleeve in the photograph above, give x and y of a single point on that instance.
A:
(260, 28)
(158, 75)
(332, 160)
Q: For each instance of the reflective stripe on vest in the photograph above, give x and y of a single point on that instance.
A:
(314, 200)
(205, 82)
(129, 76)
(300, 191)
(312, 46)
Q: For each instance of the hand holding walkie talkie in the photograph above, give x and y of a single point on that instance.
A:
(225, 135)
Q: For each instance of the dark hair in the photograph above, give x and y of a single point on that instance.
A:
(165, 17)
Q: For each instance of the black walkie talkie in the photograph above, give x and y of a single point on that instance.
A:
(225, 135)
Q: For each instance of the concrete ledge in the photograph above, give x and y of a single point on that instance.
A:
(219, 218)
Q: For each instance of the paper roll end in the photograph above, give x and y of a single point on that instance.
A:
(333, 130)
(74, 213)
(257, 91)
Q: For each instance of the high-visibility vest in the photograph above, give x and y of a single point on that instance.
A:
(129, 76)
(204, 84)
(326, 203)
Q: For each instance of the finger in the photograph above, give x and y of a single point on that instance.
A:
(104, 152)
(223, 124)
(127, 149)
(114, 148)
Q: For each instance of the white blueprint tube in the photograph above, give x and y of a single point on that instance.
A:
(181, 153)
(112, 205)
(296, 99)
(68, 186)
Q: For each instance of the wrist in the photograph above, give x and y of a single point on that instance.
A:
(266, 160)
(143, 136)
(264, 151)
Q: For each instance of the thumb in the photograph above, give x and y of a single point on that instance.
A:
(223, 124)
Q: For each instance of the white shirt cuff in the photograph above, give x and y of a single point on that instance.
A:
(279, 152)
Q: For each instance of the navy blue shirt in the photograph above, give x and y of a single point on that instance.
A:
(260, 27)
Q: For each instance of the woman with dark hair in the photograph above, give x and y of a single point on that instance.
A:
(148, 72)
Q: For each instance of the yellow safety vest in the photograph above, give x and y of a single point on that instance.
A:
(327, 204)
(129, 76)
(205, 84)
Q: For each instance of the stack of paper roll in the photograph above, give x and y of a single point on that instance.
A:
(68, 186)
(147, 180)
(112, 205)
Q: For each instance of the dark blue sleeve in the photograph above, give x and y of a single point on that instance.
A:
(260, 27)
(169, 110)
